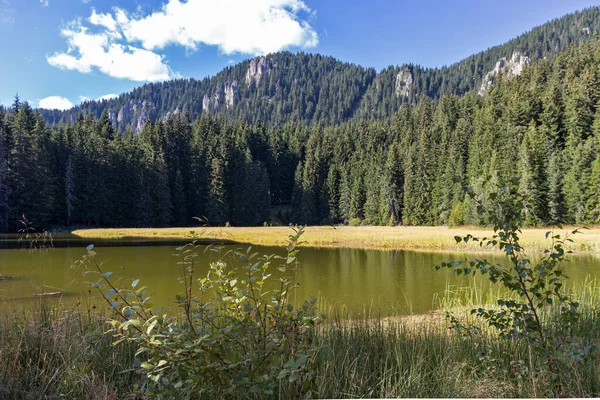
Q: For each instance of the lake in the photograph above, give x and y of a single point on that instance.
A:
(378, 282)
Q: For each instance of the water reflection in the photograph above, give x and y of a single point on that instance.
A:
(384, 282)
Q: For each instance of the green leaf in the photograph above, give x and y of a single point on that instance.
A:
(283, 373)
(147, 365)
(135, 283)
(151, 327)
(136, 323)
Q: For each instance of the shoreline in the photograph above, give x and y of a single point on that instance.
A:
(439, 239)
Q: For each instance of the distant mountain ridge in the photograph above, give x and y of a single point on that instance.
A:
(311, 88)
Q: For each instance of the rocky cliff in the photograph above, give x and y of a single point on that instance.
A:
(231, 93)
(404, 83)
(508, 68)
(133, 114)
(258, 66)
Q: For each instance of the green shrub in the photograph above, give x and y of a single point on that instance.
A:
(457, 215)
(233, 339)
(355, 222)
(537, 309)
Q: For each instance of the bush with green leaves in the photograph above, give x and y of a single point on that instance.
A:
(537, 308)
(234, 337)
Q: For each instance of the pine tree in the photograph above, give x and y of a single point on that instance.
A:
(344, 202)
(533, 180)
(4, 188)
(556, 211)
(393, 183)
(333, 194)
(69, 188)
(217, 203)
(593, 203)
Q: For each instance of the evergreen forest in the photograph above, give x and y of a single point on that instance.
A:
(538, 133)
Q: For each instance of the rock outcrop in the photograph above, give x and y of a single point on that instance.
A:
(508, 68)
(112, 115)
(214, 103)
(258, 66)
(133, 114)
(404, 83)
(205, 103)
(217, 101)
(231, 93)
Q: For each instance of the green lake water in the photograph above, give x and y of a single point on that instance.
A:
(378, 282)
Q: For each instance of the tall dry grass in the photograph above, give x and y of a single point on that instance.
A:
(370, 237)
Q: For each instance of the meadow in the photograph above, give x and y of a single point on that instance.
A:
(368, 237)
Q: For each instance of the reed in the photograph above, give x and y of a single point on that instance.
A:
(51, 352)
(367, 237)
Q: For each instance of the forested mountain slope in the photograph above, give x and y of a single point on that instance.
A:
(537, 133)
(407, 83)
(314, 89)
(275, 89)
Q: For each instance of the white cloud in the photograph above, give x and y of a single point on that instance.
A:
(235, 26)
(110, 96)
(7, 13)
(88, 50)
(125, 45)
(6, 18)
(105, 20)
(45, 2)
(55, 103)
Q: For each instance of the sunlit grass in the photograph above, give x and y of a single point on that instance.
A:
(52, 353)
(368, 237)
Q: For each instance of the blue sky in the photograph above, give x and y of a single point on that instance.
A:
(55, 53)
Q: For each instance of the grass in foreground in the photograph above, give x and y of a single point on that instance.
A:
(53, 353)
(58, 354)
(368, 237)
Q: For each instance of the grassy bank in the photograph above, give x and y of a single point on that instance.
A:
(52, 353)
(49, 353)
(368, 237)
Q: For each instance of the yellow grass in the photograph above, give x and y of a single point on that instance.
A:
(370, 237)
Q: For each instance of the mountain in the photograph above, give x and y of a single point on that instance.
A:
(311, 88)
(407, 83)
(529, 126)
(274, 89)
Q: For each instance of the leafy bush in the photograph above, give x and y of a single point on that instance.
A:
(457, 216)
(538, 311)
(355, 222)
(233, 339)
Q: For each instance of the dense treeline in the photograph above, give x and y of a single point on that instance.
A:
(314, 89)
(86, 173)
(538, 133)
